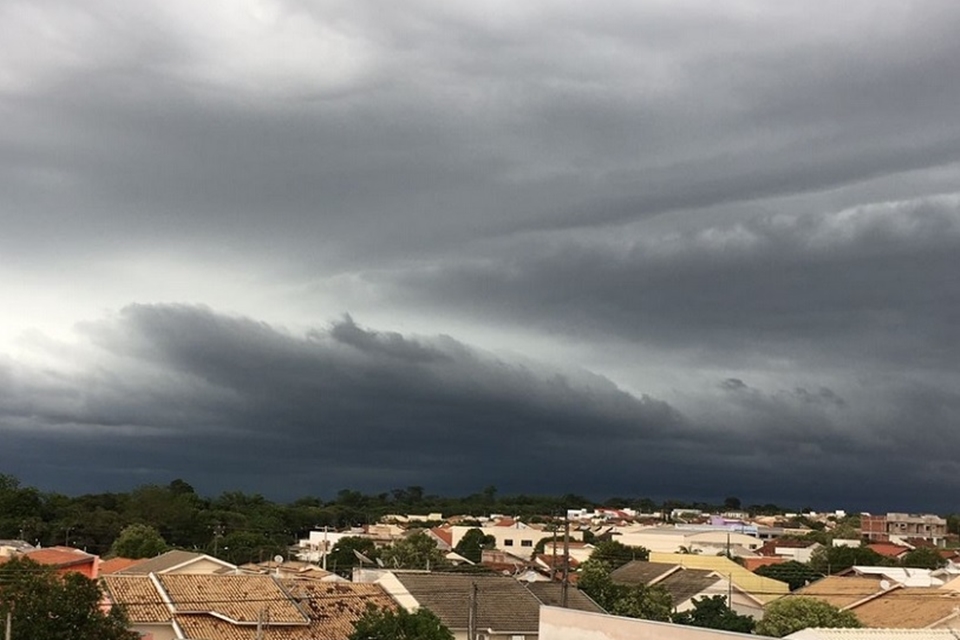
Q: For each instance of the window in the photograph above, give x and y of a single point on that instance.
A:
(508, 543)
(526, 543)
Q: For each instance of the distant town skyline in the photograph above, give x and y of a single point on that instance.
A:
(684, 249)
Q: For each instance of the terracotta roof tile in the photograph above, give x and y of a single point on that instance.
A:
(909, 608)
(334, 607)
(116, 564)
(240, 598)
(138, 596)
(444, 534)
(842, 591)
(60, 556)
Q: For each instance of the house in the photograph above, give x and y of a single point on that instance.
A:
(511, 535)
(907, 576)
(66, 560)
(579, 551)
(889, 549)
(762, 589)
(686, 585)
(505, 609)
(675, 538)
(239, 607)
(178, 562)
(879, 528)
(291, 569)
(797, 550)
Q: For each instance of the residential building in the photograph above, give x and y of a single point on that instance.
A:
(512, 536)
(879, 528)
(686, 585)
(66, 560)
(178, 562)
(690, 538)
(763, 589)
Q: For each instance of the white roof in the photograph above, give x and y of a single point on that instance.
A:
(908, 577)
(872, 634)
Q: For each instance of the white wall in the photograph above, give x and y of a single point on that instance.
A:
(568, 624)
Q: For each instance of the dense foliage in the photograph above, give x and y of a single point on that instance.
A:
(783, 617)
(632, 601)
(399, 624)
(45, 605)
(473, 543)
(795, 574)
(616, 554)
(714, 613)
(828, 560)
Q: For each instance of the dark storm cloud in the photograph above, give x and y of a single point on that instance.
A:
(229, 402)
(873, 287)
(759, 195)
(426, 126)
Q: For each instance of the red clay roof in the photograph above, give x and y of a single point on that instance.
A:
(61, 556)
(444, 534)
(888, 549)
(115, 564)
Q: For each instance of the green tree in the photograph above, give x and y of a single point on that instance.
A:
(796, 574)
(399, 624)
(138, 541)
(473, 543)
(239, 547)
(616, 554)
(713, 613)
(829, 560)
(732, 503)
(633, 601)
(45, 605)
(416, 551)
(953, 523)
(343, 557)
(923, 558)
(791, 614)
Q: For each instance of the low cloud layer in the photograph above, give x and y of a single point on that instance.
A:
(179, 391)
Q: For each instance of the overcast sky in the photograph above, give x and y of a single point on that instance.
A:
(678, 249)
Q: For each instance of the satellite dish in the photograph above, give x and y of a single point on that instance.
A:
(278, 559)
(885, 584)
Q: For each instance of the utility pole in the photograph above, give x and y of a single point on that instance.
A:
(565, 585)
(7, 635)
(217, 533)
(472, 613)
(325, 549)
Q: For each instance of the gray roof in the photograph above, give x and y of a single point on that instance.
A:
(687, 583)
(640, 572)
(550, 594)
(503, 604)
(160, 563)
